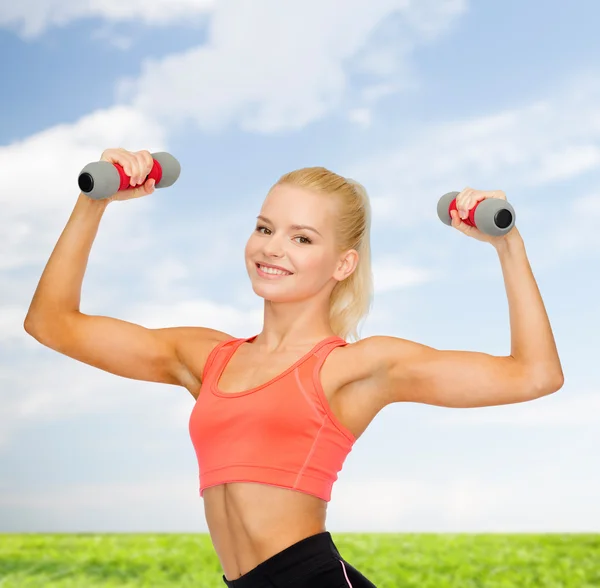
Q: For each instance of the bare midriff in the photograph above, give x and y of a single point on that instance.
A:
(250, 522)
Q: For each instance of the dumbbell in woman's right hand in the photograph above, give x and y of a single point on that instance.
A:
(123, 175)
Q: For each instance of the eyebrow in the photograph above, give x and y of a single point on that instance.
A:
(295, 227)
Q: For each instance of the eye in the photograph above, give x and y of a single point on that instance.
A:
(305, 241)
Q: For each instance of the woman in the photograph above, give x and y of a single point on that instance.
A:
(276, 414)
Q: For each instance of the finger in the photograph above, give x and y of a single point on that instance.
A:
(476, 197)
(472, 201)
(135, 171)
(142, 162)
(113, 155)
(148, 162)
(140, 178)
(126, 163)
(147, 187)
(462, 202)
(479, 196)
(456, 222)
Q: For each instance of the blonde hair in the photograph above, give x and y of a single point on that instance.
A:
(351, 298)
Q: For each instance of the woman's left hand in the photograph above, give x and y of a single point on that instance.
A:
(465, 201)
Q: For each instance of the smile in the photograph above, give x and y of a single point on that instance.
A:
(269, 272)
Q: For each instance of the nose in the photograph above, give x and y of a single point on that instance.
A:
(273, 247)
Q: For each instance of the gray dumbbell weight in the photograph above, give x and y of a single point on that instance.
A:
(102, 179)
(492, 216)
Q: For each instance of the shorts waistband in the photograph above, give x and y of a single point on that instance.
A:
(289, 562)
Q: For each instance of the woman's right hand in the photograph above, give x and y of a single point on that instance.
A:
(137, 165)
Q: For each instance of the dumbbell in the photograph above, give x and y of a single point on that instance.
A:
(492, 216)
(102, 179)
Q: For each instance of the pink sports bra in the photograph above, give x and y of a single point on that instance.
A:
(282, 433)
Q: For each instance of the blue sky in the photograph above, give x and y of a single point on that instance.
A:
(411, 99)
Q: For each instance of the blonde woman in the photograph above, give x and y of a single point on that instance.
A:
(276, 414)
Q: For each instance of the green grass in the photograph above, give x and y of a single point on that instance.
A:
(389, 560)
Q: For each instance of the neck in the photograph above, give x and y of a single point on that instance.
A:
(294, 324)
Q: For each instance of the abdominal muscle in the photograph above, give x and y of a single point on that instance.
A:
(251, 522)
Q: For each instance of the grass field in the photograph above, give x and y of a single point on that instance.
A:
(389, 560)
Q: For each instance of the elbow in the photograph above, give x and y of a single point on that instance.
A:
(29, 325)
(540, 380)
(34, 321)
(33, 328)
(48, 329)
(38, 326)
(557, 383)
(548, 384)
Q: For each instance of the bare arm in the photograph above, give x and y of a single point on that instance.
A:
(59, 288)
(404, 371)
(113, 345)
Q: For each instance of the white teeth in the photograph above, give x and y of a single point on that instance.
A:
(270, 270)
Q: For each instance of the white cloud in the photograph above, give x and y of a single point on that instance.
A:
(534, 145)
(464, 504)
(11, 326)
(31, 18)
(290, 68)
(587, 205)
(450, 505)
(578, 230)
(111, 507)
(565, 163)
(389, 275)
(361, 117)
(107, 34)
(42, 387)
(199, 312)
(565, 408)
(34, 212)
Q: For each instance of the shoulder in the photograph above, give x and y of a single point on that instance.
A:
(368, 357)
(378, 367)
(193, 346)
(357, 377)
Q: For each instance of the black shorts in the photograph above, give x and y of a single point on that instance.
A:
(313, 562)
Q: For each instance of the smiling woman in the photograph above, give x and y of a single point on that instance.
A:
(277, 414)
(314, 218)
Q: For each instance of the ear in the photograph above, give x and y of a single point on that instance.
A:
(346, 265)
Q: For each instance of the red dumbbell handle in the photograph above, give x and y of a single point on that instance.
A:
(470, 220)
(155, 174)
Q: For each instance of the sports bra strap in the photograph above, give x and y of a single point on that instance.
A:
(328, 346)
(322, 353)
(213, 354)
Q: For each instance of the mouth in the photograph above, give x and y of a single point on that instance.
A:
(271, 272)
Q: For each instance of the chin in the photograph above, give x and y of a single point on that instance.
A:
(274, 294)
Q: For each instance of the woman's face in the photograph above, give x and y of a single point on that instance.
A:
(294, 231)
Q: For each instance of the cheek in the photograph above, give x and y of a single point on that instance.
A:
(250, 248)
(317, 265)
